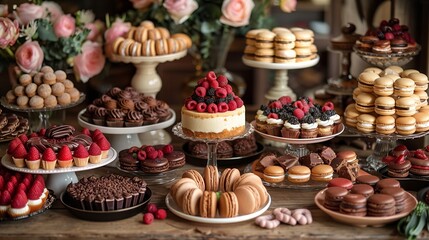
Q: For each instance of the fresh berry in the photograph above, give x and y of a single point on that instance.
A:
(223, 81)
(5, 198)
(32, 135)
(151, 208)
(10, 187)
(161, 214)
(94, 149)
(34, 192)
(20, 151)
(211, 91)
(383, 23)
(42, 132)
(205, 85)
(200, 81)
(26, 181)
(149, 149)
(200, 91)
(13, 144)
(64, 153)
(276, 105)
(167, 149)
(197, 98)
(201, 107)
(232, 105)
(285, 100)
(86, 132)
(148, 218)
(329, 104)
(420, 154)
(133, 149)
(104, 144)
(404, 28)
(393, 21)
(325, 109)
(141, 155)
(388, 159)
(19, 200)
(160, 153)
(96, 133)
(389, 36)
(396, 28)
(400, 159)
(305, 108)
(228, 88)
(239, 102)
(221, 92)
(273, 115)
(211, 76)
(80, 152)
(298, 104)
(191, 105)
(21, 187)
(23, 138)
(212, 108)
(152, 155)
(214, 84)
(222, 107)
(298, 113)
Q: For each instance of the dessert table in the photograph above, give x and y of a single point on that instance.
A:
(59, 223)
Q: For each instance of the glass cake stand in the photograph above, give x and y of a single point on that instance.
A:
(385, 60)
(280, 87)
(59, 178)
(39, 118)
(211, 143)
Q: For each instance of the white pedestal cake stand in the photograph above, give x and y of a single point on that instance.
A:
(59, 178)
(280, 87)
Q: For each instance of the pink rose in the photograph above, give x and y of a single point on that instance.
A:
(118, 29)
(180, 10)
(29, 56)
(4, 10)
(54, 9)
(288, 5)
(64, 26)
(90, 62)
(141, 4)
(28, 12)
(94, 31)
(9, 32)
(236, 13)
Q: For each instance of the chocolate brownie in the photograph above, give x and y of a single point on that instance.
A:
(311, 160)
(327, 154)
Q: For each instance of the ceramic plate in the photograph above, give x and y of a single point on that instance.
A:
(410, 204)
(171, 205)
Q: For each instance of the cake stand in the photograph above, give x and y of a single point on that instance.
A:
(211, 143)
(389, 59)
(59, 178)
(297, 146)
(39, 118)
(280, 87)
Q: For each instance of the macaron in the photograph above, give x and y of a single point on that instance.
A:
(322, 173)
(398, 169)
(384, 106)
(191, 201)
(356, 92)
(366, 81)
(416, 101)
(208, 204)
(228, 205)
(298, 174)
(368, 179)
(405, 125)
(382, 46)
(419, 164)
(383, 86)
(183, 37)
(422, 121)
(274, 174)
(196, 176)
(340, 182)
(284, 40)
(334, 197)
(175, 159)
(404, 87)
(386, 182)
(148, 48)
(264, 55)
(251, 36)
(249, 52)
(351, 115)
(303, 39)
(348, 155)
(394, 68)
(423, 97)
(398, 45)
(366, 123)
(265, 39)
(227, 179)
(375, 70)
(365, 102)
(381, 205)
(420, 80)
(399, 194)
(424, 109)
(284, 56)
(303, 54)
(157, 165)
(385, 124)
(405, 106)
(353, 204)
(247, 179)
(248, 199)
(211, 178)
(179, 188)
(363, 189)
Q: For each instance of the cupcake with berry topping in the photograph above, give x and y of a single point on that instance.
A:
(49, 159)
(261, 119)
(33, 158)
(309, 127)
(104, 145)
(335, 118)
(274, 124)
(18, 205)
(5, 200)
(65, 157)
(291, 128)
(80, 156)
(94, 153)
(18, 156)
(325, 125)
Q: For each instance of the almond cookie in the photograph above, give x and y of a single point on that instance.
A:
(60, 75)
(25, 79)
(44, 90)
(68, 84)
(64, 99)
(10, 96)
(58, 89)
(19, 90)
(51, 101)
(38, 78)
(31, 89)
(36, 102)
(49, 78)
(22, 101)
(46, 69)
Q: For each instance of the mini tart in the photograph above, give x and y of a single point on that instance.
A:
(81, 162)
(48, 165)
(19, 162)
(33, 164)
(35, 205)
(18, 212)
(65, 163)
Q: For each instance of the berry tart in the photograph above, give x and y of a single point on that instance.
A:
(213, 111)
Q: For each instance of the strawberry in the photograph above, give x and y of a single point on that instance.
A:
(275, 105)
(420, 154)
(239, 102)
(222, 107)
(104, 144)
(400, 159)
(221, 93)
(32, 135)
(13, 180)
(273, 115)
(1, 182)
(96, 133)
(42, 132)
(161, 214)
(33, 154)
(200, 91)
(80, 152)
(21, 187)
(19, 200)
(49, 155)
(211, 76)
(34, 192)
(298, 113)
(86, 132)
(223, 81)
(10, 186)
(388, 159)
(212, 108)
(232, 105)
(39, 178)
(12, 145)
(23, 138)
(94, 149)
(141, 155)
(5, 198)
(191, 105)
(167, 149)
(26, 182)
(20, 151)
(285, 100)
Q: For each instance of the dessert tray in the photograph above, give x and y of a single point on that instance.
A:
(198, 160)
(384, 60)
(367, 221)
(48, 204)
(14, 107)
(103, 216)
(383, 172)
(171, 205)
(155, 178)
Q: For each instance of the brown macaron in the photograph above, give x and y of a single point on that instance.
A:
(228, 205)
(264, 55)
(303, 54)
(208, 204)
(196, 176)
(365, 102)
(284, 56)
(248, 198)
(405, 125)
(421, 81)
(381, 205)
(384, 106)
(303, 38)
(191, 201)
(363, 189)
(227, 179)
(385, 124)
(211, 178)
(383, 86)
(265, 39)
(284, 40)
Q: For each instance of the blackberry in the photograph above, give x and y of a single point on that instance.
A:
(267, 111)
(211, 91)
(263, 107)
(308, 119)
(330, 113)
(293, 120)
(209, 100)
(197, 98)
(219, 100)
(229, 97)
(324, 117)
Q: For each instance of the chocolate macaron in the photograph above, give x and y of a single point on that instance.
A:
(341, 182)
(398, 169)
(381, 205)
(353, 204)
(399, 195)
(333, 197)
(175, 159)
(386, 182)
(368, 179)
(191, 200)
(157, 165)
(363, 189)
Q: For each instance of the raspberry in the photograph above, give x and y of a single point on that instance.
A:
(205, 85)
(223, 81)
(133, 149)
(276, 104)
(151, 208)
(167, 149)
(228, 88)
(200, 91)
(298, 113)
(201, 107)
(325, 108)
(212, 108)
(273, 115)
(221, 92)
(285, 100)
(86, 132)
(239, 102)
(42, 132)
(23, 138)
(396, 27)
(232, 105)
(160, 153)
(222, 107)
(141, 155)
(148, 218)
(306, 108)
(152, 155)
(214, 84)
(200, 81)
(211, 76)
(191, 105)
(389, 36)
(298, 104)
(161, 214)
(32, 135)
(149, 149)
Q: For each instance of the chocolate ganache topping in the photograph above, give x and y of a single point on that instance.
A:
(115, 114)
(126, 104)
(134, 116)
(150, 101)
(141, 106)
(125, 94)
(100, 112)
(113, 92)
(91, 108)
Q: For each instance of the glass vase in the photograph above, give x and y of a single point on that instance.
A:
(217, 55)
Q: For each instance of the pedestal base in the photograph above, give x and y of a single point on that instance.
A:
(58, 182)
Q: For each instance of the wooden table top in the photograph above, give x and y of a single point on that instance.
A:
(58, 222)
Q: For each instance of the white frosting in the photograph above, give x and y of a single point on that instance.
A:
(325, 123)
(327, 176)
(35, 202)
(366, 125)
(295, 176)
(19, 211)
(259, 112)
(422, 125)
(292, 126)
(3, 208)
(410, 89)
(262, 118)
(386, 127)
(335, 117)
(274, 121)
(409, 127)
(274, 177)
(309, 125)
(351, 120)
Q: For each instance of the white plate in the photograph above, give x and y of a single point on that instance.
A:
(111, 156)
(171, 205)
(280, 66)
(154, 59)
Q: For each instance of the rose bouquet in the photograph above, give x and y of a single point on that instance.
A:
(39, 33)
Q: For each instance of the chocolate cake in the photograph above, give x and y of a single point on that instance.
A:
(327, 154)
(311, 160)
(106, 193)
(237, 148)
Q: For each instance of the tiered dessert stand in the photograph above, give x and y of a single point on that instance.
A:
(146, 80)
(280, 87)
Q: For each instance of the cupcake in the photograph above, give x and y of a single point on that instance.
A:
(149, 116)
(336, 119)
(5, 201)
(261, 121)
(87, 116)
(325, 125)
(65, 157)
(33, 158)
(80, 156)
(309, 127)
(49, 159)
(18, 205)
(274, 124)
(115, 118)
(133, 119)
(94, 153)
(163, 110)
(99, 116)
(291, 128)
(104, 146)
(18, 156)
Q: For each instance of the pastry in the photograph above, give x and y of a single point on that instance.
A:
(33, 158)
(298, 174)
(399, 194)
(58, 89)
(398, 45)
(421, 81)
(49, 159)
(265, 40)
(284, 56)
(287, 161)
(46, 69)
(405, 125)
(18, 206)
(322, 172)
(383, 86)
(327, 154)
(385, 124)
(227, 179)
(334, 197)
(422, 121)
(191, 200)
(175, 159)
(211, 178)
(303, 54)
(65, 157)
(340, 182)
(64, 99)
(386, 182)
(94, 152)
(36, 102)
(274, 174)
(264, 55)
(50, 101)
(353, 204)
(284, 40)
(157, 165)
(404, 87)
(381, 46)
(208, 204)
(199, 180)
(115, 118)
(310, 160)
(25, 79)
(30, 89)
(368, 179)
(405, 106)
(303, 39)
(309, 127)
(49, 78)
(385, 105)
(366, 123)
(249, 52)
(60, 75)
(68, 84)
(133, 119)
(366, 81)
(381, 205)
(419, 163)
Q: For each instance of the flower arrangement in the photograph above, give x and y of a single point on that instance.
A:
(39, 33)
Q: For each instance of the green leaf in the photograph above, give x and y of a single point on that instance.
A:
(45, 30)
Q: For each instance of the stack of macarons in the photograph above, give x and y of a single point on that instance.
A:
(389, 101)
(148, 41)
(400, 162)
(280, 45)
(210, 195)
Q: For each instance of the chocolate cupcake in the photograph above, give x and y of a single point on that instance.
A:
(124, 94)
(141, 106)
(113, 92)
(150, 101)
(149, 116)
(163, 110)
(133, 119)
(126, 105)
(99, 116)
(115, 118)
